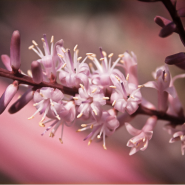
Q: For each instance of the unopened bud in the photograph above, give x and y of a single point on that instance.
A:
(36, 70)
(6, 61)
(167, 30)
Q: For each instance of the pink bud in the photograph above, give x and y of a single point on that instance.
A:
(161, 21)
(22, 101)
(6, 61)
(15, 59)
(36, 70)
(8, 95)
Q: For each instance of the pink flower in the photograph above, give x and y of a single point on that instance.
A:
(125, 96)
(73, 72)
(101, 76)
(49, 60)
(141, 137)
(90, 101)
(105, 126)
(162, 83)
(48, 101)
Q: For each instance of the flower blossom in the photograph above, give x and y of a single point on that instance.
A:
(73, 72)
(141, 137)
(105, 126)
(162, 85)
(105, 70)
(125, 96)
(49, 60)
(48, 101)
(179, 135)
(67, 117)
(89, 101)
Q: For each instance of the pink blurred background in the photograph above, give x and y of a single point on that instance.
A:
(117, 26)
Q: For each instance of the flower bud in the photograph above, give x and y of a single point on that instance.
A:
(6, 61)
(8, 95)
(36, 70)
(161, 21)
(15, 59)
(167, 30)
(22, 101)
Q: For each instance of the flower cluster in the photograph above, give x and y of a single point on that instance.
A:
(90, 87)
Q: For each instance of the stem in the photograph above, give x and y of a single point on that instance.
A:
(176, 19)
(23, 79)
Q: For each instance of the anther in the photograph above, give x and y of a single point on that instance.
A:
(122, 61)
(140, 86)
(79, 115)
(61, 140)
(41, 124)
(75, 47)
(31, 117)
(91, 126)
(121, 55)
(34, 43)
(90, 141)
(94, 90)
(82, 86)
(95, 112)
(89, 54)
(114, 87)
(105, 98)
(63, 66)
(104, 147)
(127, 77)
(93, 55)
(113, 102)
(75, 98)
(41, 94)
(110, 55)
(58, 117)
(31, 47)
(117, 78)
(104, 53)
(60, 55)
(19, 97)
(63, 50)
(83, 125)
(91, 58)
(131, 96)
(98, 136)
(35, 104)
(79, 58)
(51, 134)
(101, 59)
(29, 73)
(42, 39)
(52, 38)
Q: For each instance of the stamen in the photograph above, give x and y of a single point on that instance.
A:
(82, 86)
(127, 77)
(89, 54)
(63, 66)
(121, 55)
(98, 136)
(131, 96)
(75, 47)
(60, 55)
(80, 115)
(101, 59)
(58, 117)
(52, 39)
(83, 125)
(140, 86)
(31, 117)
(95, 112)
(113, 102)
(181, 137)
(93, 55)
(118, 78)
(94, 90)
(90, 141)
(79, 58)
(105, 98)
(104, 147)
(31, 47)
(91, 58)
(104, 53)
(41, 124)
(34, 43)
(61, 140)
(42, 39)
(110, 55)
(114, 87)
(122, 61)
(63, 50)
(51, 134)
(75, 98)
(91, 126)
(41, 94)
(144, 139)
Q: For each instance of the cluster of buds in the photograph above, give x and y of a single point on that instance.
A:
(66, 89)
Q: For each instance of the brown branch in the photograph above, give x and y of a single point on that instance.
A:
(176, 19)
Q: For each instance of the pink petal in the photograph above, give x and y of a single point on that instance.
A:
(6, 61)
(133, 131)
(131, 107)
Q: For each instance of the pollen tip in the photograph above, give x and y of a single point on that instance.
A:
(94, 90)
(83, 125)
(114, 87)
(79, 115)
(114, 103)
(101, 59)
(104, 147)
(122, 61)
(110, 55)
(29, 73)
(31, 47)
(81, 86)
(64, 66)
(140, 86)
(51, 134)
(75, 98)
(90, 141)
(98, 136)
(90, 57)
(58, 117)
(79, 58)
(41, 124)
(91, 126)
(34, 43)
(121, 55)
(31, 117)
(127, 78)
(104, 53)
(61, 140)
(75, 47)
(52, 39)
(106, 98)
(42, 39)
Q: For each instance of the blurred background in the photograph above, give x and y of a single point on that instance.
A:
(117, 26)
